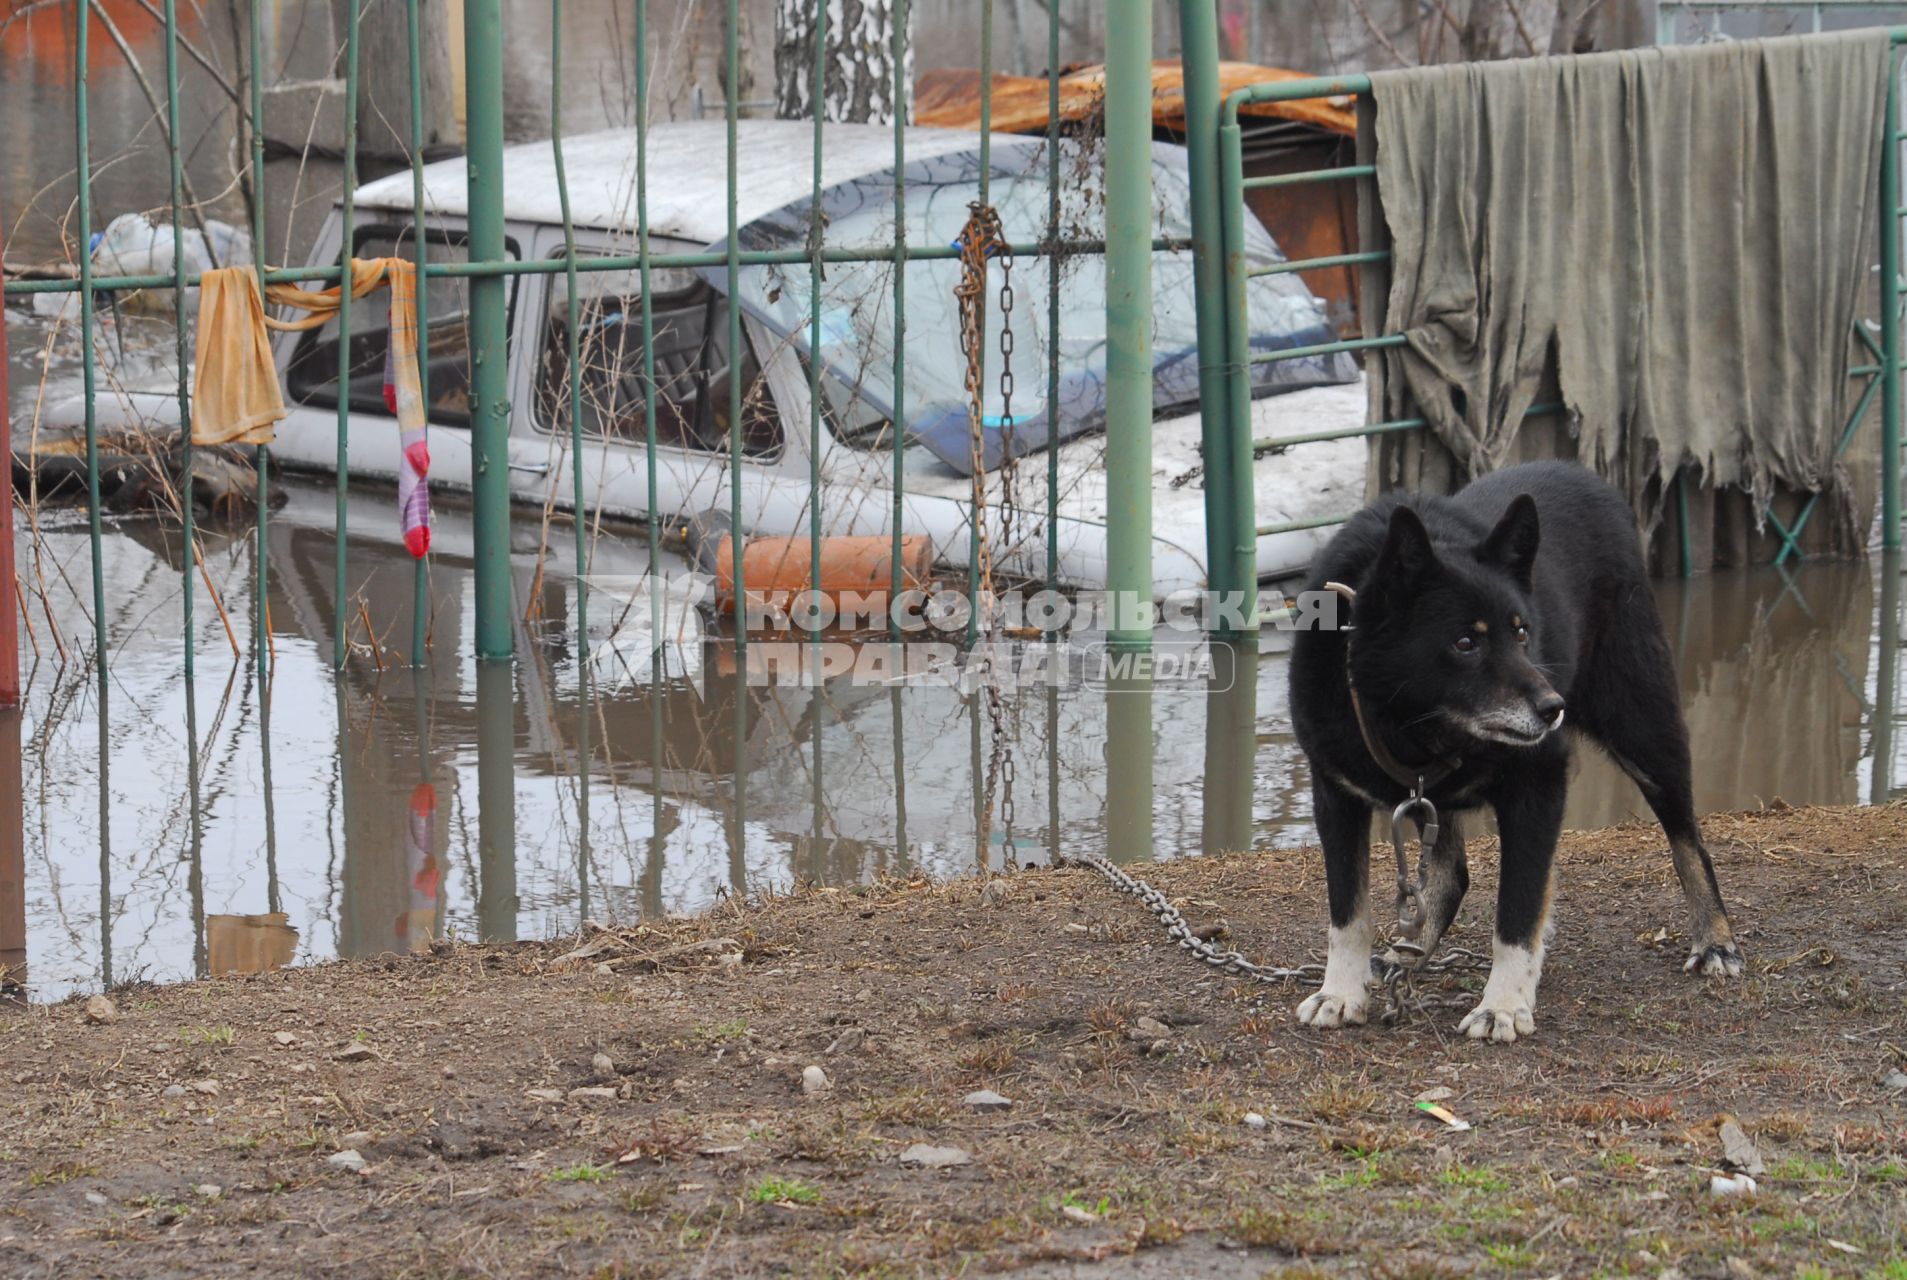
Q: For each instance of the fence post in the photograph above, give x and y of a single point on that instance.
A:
(489, 326)
(1236, 436)
(9, 609)
(1198, 57)
(1890, 312)
(1129, 319)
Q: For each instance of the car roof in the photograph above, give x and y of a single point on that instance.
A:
(688, 181)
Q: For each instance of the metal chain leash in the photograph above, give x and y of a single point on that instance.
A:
(1398, 981)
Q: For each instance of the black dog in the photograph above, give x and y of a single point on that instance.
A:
(1467, 643)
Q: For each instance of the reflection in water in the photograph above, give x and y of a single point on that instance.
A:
(380, 810)
(249, 944)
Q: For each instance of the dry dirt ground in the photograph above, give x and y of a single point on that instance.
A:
(194, 1134)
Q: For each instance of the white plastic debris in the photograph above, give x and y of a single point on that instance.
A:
(1739, 1184)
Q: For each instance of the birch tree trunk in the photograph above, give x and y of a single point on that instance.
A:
(860, 65)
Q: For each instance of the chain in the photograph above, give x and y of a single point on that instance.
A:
(981, 240)
(1398, 981)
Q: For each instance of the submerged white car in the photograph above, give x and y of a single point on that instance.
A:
(687, 199)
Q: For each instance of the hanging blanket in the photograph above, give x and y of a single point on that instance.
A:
(1681, 237)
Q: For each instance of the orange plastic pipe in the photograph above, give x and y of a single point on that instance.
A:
(848, 564)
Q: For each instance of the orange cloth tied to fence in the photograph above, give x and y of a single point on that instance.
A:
(366, 275)
(235, 394)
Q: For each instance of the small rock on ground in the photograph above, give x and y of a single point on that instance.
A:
(101, 1010)
(815, 1081)
(849, 1041)
(355, 1052)
(988, 1100)
(597, 1093)
(603, 1065)
(925, 1156)
(350, 1160)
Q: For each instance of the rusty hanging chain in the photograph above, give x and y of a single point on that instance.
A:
(978, 241)
(981, 240)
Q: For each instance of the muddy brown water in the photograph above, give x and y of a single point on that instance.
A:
(341, 816)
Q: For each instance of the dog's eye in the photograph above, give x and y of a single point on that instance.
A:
(1465, 644)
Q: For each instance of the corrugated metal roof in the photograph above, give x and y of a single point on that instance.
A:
(950, 98)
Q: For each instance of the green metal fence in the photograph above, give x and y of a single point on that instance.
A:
(1237, 449)
(489, 269)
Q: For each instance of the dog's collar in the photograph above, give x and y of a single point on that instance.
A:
(1418, 781)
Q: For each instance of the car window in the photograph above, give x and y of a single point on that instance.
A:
(690, 324)
(312, 378)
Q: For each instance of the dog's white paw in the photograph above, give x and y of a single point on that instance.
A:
(1719, 961)
(1501, 1025)
(1335, 1008)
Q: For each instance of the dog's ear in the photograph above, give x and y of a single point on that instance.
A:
(1407, 553)
(1512, 544)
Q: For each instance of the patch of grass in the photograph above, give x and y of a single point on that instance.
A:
(1108, 1020)
(60, 1174)
(1610, 1111)
(1279, 1229)
(1155, 1232)
(645, 1196)
(1339, 1100)
(990, 1057)
(1511, 1255)
(778, 1190)
(1884, 1174)
(717, 1033)
(1894, 1270)
(1802, 1169)
(1074, 1200)
(583, 1171)
(218, 1037)
(1481, 1178)
(1366, 1174)
(906, 1107)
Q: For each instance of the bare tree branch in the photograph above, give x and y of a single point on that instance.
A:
(1378, 34)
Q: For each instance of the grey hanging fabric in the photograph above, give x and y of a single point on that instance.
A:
(1680, 237)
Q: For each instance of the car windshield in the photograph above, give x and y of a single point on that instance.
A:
(857, 317)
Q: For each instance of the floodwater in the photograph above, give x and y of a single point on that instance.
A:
(343, 815)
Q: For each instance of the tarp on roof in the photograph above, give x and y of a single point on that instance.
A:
(950, 98)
